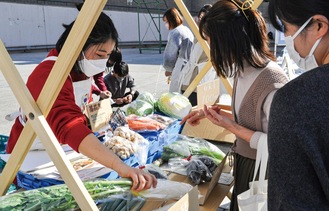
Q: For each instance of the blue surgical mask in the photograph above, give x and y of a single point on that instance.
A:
(309, 61)
(92, 67)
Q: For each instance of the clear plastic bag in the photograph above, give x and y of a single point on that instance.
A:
(167, 189)
(183, 146)
(156, 171)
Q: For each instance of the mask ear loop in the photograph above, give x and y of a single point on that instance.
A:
(302, 28)
(246, 5)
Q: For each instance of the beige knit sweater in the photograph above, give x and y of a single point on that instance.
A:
(253, 92)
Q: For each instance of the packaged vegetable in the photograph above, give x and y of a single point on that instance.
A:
(147, 97)
(126, 142)
(167, 189)
(140, 108)
(183, 146)
(140, 124)
(198, 172)
(174, 105)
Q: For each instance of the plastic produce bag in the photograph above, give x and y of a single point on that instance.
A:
(144, 124)
(124, 201)
(148, 97)
(167, 189)
(140, 108)
(183, 146)
(141, 151)
(156, 171)
(198, 172)
(174, 105)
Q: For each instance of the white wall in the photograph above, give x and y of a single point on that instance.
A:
(36, 25)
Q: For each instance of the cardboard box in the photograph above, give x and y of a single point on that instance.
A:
(208, 130)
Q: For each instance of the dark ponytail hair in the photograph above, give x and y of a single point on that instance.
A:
(295, 12)
(236, 37)
(121, 69)
(103, 30)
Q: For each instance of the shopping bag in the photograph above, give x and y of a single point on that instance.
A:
(255, 199)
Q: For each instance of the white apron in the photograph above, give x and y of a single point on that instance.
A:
(175, 75)
(194, 66)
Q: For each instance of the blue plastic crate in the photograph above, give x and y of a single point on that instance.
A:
(152, 138)
(154, 157)
(3, 143)
(174, 128)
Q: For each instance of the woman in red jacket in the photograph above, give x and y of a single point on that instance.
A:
(66, 117)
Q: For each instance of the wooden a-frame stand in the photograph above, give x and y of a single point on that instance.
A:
(38, 111)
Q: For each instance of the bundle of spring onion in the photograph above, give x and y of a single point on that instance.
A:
(59, 197)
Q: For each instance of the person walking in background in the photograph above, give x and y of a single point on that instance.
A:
(178, 48)
(238, 42)
(198, 59)
(298, 138)
(118, 82)
(66, 118)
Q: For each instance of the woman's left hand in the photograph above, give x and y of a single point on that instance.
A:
(217, 116)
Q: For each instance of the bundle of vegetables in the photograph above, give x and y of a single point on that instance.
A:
(184, 147)
(147, 97)
(137, 123)
(59, 197)
(174, 105)
(140, 108)
(122, 203)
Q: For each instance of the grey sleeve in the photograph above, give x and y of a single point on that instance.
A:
(170, 54)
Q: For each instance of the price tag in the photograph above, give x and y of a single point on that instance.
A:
(208, 93)
(99, 114)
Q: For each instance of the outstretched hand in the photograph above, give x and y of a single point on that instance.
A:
(193, 117)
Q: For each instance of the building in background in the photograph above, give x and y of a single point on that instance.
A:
(37, 24)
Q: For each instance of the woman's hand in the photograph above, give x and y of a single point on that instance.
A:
(193, 117)
(94, 149)
(141, 179)
(217, 116)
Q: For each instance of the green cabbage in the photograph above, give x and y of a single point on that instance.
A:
(140, 108)
(148, 97)
(174, 105)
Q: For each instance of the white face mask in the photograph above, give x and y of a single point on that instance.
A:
(92, 67)
(309, 61)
